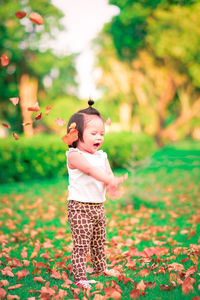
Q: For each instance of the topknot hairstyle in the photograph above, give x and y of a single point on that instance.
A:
(78, 118)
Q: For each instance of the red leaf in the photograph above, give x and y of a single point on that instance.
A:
(4, 60)
(4, 283)
(20, 14)
(35, 107)
(187, 285)
(36, 18)
(15, 136)
(165, 287)
(14, 100)
(71, 137)
(6, 125)
(38, 279)
(112, 292)
(48, 109)
(2, 293)
(45, 255)
(38, 117)
(16, 286)
(7, 272)
(60, 122)
(134, 294)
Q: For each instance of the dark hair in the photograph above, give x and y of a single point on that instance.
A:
(78, 118)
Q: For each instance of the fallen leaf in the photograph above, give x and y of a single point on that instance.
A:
(4, 60)
(141, 286)
(56, 275)
(112, 292)
(38, 116)
(7, 272)
(4, 282)
(187, 285)
(24, 252)
(21, 274)
(15, 136)
(144, 272)
(48, 109)
(60, 122)
(14, 100)
(2, 293)
(165, 287)
(20, 14)
(12, 297)
(6, 125)
(16, 286)
(134, 294)
(36, 18)
(35, 107)
(38, 279)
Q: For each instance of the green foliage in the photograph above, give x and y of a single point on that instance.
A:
(27, 46)
(43, 156)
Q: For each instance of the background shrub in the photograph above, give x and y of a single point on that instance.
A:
(43, 155)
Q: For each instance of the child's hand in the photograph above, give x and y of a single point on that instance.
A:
(115, 181)
(114, 193)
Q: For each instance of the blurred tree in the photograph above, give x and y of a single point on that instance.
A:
(158, 41)
(28, 47)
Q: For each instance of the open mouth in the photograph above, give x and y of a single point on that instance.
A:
(96, 145)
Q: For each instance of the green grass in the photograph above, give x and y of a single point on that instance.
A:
(160, 209)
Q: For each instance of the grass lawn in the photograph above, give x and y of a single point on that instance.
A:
(153, 235)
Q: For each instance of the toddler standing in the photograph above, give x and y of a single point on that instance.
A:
(89, 177)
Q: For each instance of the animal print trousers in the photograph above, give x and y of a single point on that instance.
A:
(88, 228)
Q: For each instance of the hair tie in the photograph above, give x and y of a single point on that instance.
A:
(90, 102)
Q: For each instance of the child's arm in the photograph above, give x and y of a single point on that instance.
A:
(77, 161)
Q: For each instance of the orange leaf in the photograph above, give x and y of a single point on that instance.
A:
(108, 122)
(6, 125)
(16, 286)
(4, 60)
(24, 252)
(71, 137)
(7, 272)
(20, 14)
(14, 100)
(141, 286)
(112, 292)
(38, 116)
(38, 279)
(134, 294)
(13, 297)
(4, 282)
(60, 122)
(36, 18)
(35, 251)
(21, 274)
(48, 109)
(187, 285)
(55, 275)
(144, 272)
(35, 107)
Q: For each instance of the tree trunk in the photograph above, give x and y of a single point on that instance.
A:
(28, 97)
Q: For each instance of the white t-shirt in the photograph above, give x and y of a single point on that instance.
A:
(85, 188)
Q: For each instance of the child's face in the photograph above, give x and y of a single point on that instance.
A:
(93, 135)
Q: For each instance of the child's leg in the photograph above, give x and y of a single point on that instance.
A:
(97, 244)
(81, 229)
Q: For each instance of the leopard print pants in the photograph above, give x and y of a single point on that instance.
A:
(88, 228)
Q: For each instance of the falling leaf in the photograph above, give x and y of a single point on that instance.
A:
(26, 124)
(72, 126)
(35, 107)
(6, 125)
(14, 100)
(134, 294)
(108, 122)
(36, 18)
(15, 136)
(71, 137)
(16, 286)
(38, 116)
(38, 279)
(4, 60)
(60, 122)
(20, 14)
(48, 109)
